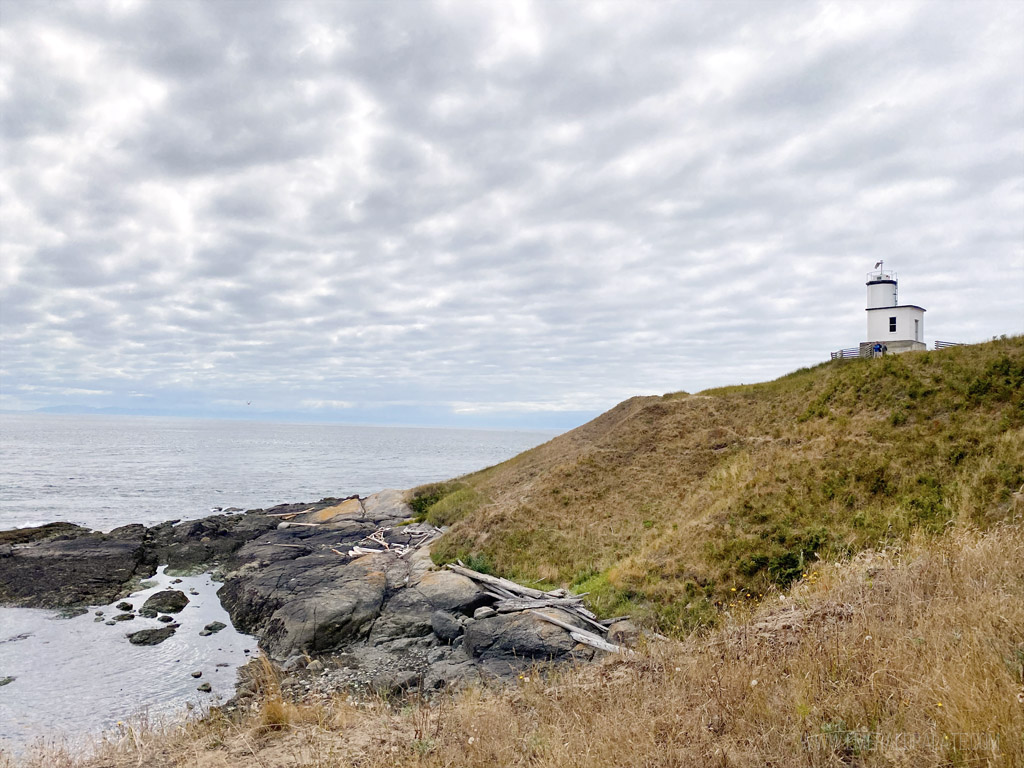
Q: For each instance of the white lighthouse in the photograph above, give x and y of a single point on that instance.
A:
(897, 327)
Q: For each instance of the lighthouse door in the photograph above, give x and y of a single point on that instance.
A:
(917, 330)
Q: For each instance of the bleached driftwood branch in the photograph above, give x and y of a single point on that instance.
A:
(581, 635)
(512, 597)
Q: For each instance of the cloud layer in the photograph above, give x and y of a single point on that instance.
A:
(500, 210)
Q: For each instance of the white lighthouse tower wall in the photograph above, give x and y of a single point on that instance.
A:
(909, 325)
(899, 327)
(881, 293)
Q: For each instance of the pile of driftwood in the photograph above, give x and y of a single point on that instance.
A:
(378, 538)
(512, 597)
(381, 544)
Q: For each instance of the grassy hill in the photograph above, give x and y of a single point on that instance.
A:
(678, 506)
(893, 484)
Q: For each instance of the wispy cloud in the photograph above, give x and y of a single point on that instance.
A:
(328, 404)
(491, 207)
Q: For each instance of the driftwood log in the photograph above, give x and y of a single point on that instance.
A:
(581, 635)
(496, 581)
(511, 597)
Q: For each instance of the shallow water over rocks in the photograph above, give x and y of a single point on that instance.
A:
(78, 676)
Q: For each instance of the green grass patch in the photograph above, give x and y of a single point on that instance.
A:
(453, 507)
(445, 503)
(603, 597)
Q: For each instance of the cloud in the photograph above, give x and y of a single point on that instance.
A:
(327, 404)
(64, 391)
(470, 208)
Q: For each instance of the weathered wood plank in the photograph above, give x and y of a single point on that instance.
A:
(509, 605)
(497, 581)
(364, 551)
(595, 642)
(591, 619)
(580, 635)
(501, 594)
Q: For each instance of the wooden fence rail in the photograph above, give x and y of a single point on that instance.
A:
(844, 354)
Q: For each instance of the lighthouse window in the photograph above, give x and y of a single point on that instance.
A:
(892, 325)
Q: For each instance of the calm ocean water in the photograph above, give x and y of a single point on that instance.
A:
(76, 677)
(106, 471)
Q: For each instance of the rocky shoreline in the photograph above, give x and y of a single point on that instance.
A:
(340, 593)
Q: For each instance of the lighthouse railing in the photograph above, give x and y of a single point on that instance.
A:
(881, 274)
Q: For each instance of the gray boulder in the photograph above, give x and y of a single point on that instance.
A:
(624, 632)
(410, 611)
(295, 663)
(386, 506)
(167, 601)
(150, 636)
(518, 637)
(445, 626)
(71, 613)
(452, 592)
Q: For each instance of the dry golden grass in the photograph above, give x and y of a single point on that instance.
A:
(911, 656)
(276, 732)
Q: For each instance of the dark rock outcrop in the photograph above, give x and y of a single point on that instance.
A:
(310, 583)
(311, 604)
(34, 534)
(58, 567)
(197, 544)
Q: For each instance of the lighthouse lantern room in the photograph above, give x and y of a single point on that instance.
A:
(894, 326)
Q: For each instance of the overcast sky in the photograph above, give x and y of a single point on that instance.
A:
(491, 212)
